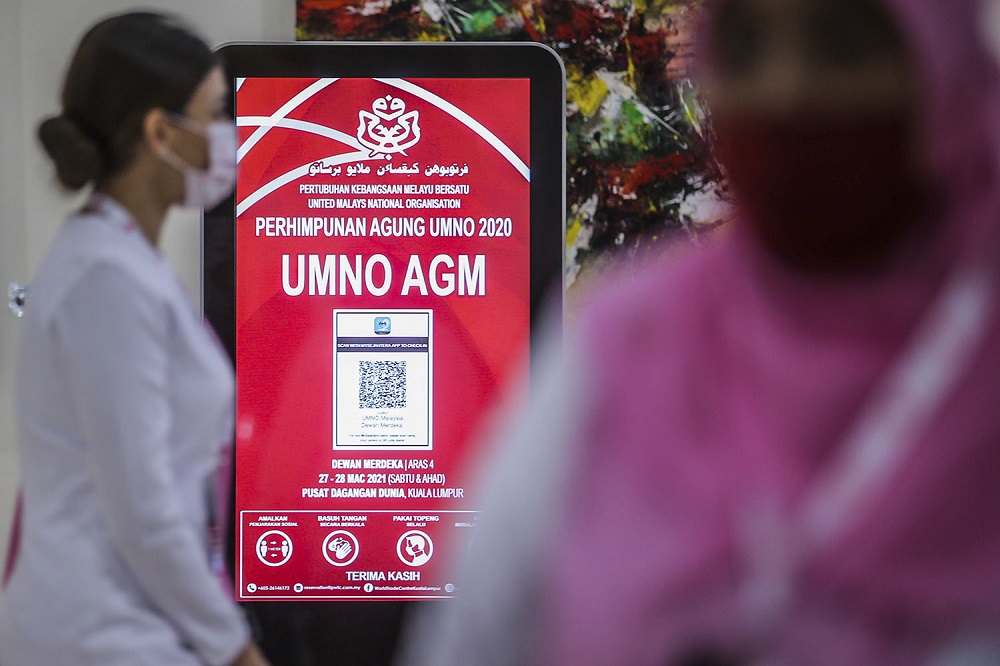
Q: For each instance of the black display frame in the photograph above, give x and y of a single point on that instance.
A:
(309, 632)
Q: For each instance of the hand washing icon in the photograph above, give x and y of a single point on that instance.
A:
(340, 548)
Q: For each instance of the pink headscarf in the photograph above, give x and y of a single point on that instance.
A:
(727, 385)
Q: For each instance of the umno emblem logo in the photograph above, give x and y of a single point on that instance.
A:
(388, 128)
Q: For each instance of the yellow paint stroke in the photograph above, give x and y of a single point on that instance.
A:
(572, 231)
(631, 63)
(425, 36)
(587, 94)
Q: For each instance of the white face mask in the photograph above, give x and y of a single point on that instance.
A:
(208, 188)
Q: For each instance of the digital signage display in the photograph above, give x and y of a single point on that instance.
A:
(386, 275)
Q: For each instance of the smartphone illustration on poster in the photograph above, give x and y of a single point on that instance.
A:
(383, 379)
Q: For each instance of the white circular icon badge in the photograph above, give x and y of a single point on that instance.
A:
(414, 548)
(274, 548)
(340, 548)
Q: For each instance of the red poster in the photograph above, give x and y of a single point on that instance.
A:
(382, 304)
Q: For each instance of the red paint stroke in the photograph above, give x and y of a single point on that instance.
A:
(651, 169)
(528, 25)
(649, 48)
(580, 25)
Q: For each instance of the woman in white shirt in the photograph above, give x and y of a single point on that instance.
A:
(124, 397)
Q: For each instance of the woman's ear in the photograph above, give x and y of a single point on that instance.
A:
(156, 129)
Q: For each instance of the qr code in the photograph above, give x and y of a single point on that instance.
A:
(381, 384)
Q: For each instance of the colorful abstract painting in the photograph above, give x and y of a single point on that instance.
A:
(638, 167)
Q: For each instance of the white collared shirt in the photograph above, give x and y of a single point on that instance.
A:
(124, 399)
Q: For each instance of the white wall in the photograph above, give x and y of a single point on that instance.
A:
(36, 42)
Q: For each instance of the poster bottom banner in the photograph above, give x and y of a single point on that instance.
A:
(341, 555)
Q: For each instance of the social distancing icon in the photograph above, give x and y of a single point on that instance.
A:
(274, 548)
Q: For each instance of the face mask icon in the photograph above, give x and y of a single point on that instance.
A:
(415, 548)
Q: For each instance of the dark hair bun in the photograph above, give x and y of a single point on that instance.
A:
(77, 157)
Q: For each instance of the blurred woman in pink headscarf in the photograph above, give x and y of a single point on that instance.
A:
(784, 449)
